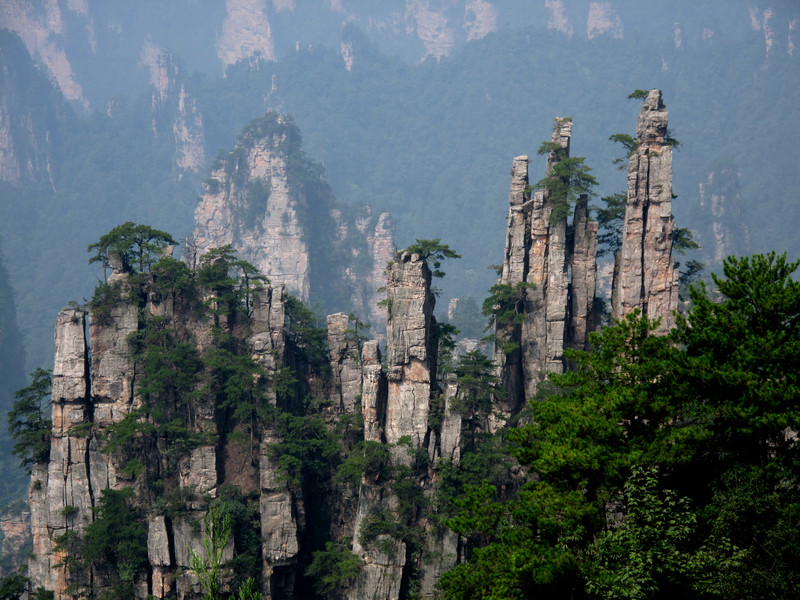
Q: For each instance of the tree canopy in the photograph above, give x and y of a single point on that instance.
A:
(136, 246)
(663, 466)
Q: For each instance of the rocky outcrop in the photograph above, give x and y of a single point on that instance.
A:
(722, 229)
(64, 493)
(544, 328)
(583, 314)
(343, 347)
(61, 494)
(246, 33)
(549, 267)
(252, 203)
(410, 349)
(647, 279)
(374, 393)
(273, 205)
(28, 131)
(397, 411)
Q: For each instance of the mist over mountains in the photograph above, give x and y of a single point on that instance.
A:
(115, 111)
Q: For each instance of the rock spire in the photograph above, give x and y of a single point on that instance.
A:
(646, 277)
(550, 268)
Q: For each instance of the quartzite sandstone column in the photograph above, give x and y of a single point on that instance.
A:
(647, 279)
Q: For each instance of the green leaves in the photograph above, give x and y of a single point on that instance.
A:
(434, 252)
(27, 423)
(134, 245)
(653, 551)
(333, 568)
(569, 178)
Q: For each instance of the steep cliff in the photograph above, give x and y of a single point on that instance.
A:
(28, 131)
(273, 205)
(548, 275)
(723, 229)
(154, 414)
(646, 277)
(209, 389)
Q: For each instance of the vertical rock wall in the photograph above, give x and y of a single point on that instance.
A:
(61, 494)
(583, 317)
(65, 491)
(250, 203)
(647, 279)
(558, 261)
(410, 349)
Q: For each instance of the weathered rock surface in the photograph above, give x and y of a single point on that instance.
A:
(251, 203)
(275, 208)
(345, 362)
(64, 492)
(374, 393)
(719, 209)
(582, 310)
(410, 349)
(61, 496)
(647, 278)
(557, 261)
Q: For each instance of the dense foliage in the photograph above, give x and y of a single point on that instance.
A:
(663, 467)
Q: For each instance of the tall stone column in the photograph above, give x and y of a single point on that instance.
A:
(647, 279)
(61, 494)
(410, 349)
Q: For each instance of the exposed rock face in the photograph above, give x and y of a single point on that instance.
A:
(410, 348)
(246, 32)
(40, 30)
(647, 279)
(172, 99)
(544, 329)
(26, 131)
(719, 207)
(583, 315)
(16, 529)
(272, 204)
(65, 491)
(374, 393)
(345, 362)
(557, 262)
(250, 203)
(396, 410)
(65, 480)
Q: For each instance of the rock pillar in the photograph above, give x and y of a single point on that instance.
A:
(61, 494)
(410, 348)
(647, 279)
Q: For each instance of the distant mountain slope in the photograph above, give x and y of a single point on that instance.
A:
(430, 142)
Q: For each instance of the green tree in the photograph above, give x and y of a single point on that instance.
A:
(433, 252)
(611, 218)
(13, 586)
(569, 178)
(638, 94)
(333, 569)
(309, 336)
(134, 245)
(478, 387)
(27, 423)
(113, 544)
(208, 569)
(653, 552)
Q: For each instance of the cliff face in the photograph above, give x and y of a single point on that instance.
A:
(720, 205)
(272, 204)
(89, 406)
(27, 130)
(647, 279)
(227, 390)
(550, 269)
